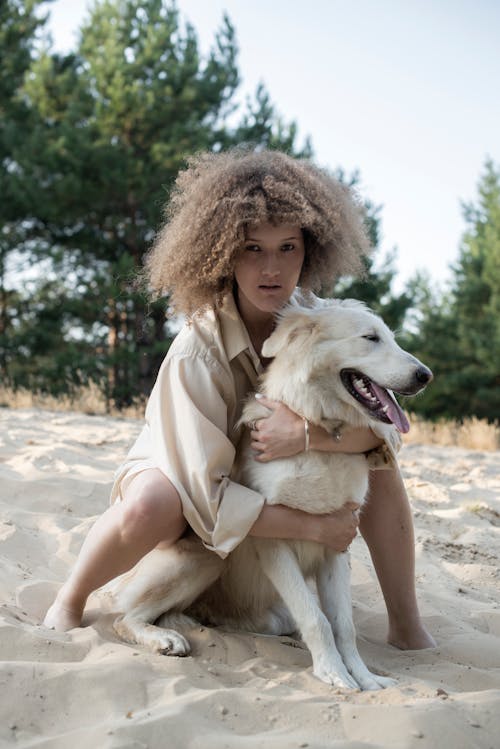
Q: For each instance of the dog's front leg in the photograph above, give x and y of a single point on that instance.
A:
(334, 589)
(280, 565)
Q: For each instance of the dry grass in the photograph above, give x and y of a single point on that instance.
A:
(89, 400)
(472, 434)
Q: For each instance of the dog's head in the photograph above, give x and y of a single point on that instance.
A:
(340, 351)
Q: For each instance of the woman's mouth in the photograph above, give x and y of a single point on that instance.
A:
(269, 287)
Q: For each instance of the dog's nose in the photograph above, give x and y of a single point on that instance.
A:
(423, 375)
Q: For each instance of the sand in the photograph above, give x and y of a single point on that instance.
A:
(85, 688)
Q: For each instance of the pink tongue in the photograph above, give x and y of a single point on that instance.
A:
(394, 411)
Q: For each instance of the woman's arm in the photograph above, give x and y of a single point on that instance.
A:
(335, 530)
(282, 434)
(352, 440)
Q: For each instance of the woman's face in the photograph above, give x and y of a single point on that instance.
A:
(268, 267)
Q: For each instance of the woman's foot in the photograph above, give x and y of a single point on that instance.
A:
(61, 619)
(62, 616)
(413, 636)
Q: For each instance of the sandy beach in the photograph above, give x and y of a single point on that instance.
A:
(85, 688)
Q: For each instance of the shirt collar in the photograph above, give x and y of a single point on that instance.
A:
(234, 333)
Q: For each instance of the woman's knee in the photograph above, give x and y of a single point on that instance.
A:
(152, 505)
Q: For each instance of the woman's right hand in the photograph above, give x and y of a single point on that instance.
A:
(336, 529)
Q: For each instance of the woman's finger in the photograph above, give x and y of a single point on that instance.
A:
(267, 402)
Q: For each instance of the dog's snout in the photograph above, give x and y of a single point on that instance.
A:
(423, 375)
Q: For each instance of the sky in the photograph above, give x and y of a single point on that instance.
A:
(404, 91)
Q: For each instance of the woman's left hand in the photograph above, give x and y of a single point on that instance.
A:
(278, 435)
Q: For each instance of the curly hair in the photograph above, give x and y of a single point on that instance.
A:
(218, 195)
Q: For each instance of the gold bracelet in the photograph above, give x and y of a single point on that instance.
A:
(306, 434)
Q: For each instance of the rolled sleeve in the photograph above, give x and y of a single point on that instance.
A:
(187, 417)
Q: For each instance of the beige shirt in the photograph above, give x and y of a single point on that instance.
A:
(190, 432)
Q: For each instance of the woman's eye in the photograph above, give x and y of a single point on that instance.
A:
(372, 337)
(252, 247)
(287, 247)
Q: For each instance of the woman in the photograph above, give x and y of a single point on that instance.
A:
(243, 229)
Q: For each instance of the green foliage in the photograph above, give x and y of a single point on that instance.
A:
(90, 143)
(458, 335)
(19, 25)
(375, 288)
(107, 129)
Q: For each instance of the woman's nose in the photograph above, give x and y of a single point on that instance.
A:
(271, 266)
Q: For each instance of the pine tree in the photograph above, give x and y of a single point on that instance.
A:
(477, 298)
(458, 333)
(19, 24)
(111, 126)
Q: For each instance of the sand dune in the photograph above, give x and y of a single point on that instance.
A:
(86, 689)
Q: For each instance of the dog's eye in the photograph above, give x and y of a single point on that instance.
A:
(372, 337)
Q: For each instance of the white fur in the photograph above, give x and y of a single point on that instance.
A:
(262, 585)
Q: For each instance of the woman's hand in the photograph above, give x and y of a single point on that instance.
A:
(282, 434)
(337, 529)
(279, 435)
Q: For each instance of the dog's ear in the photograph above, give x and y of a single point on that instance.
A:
(289, 330)
(275, 342)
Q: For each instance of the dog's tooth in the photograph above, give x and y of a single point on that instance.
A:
(385, 409)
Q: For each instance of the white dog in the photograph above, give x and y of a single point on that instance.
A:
(335, 365)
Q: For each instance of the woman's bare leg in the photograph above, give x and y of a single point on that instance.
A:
(149, 513)
(387, 527)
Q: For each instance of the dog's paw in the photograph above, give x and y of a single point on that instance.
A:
(371, 682)
(169, 642)
(384, 682)
(335, 676)
(155, 639)
(367, 680)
